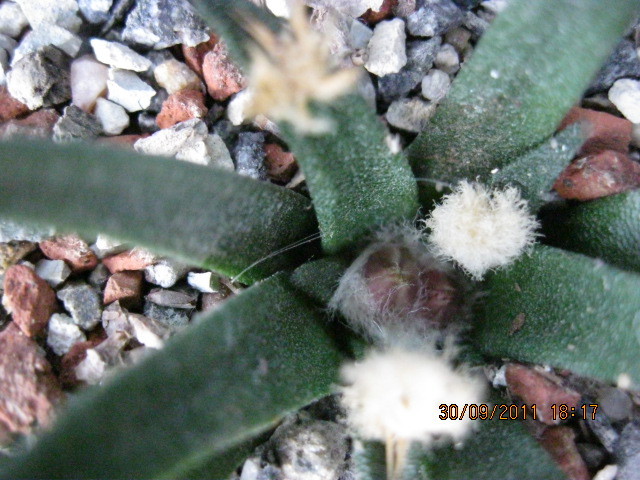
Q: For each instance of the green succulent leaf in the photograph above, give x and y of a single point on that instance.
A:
(529, 68)
(499, 450)
(535, 172)
(234, 374)
(229, 19)
(355, 182)
(205, 216)
(606, 228)
(565, 310)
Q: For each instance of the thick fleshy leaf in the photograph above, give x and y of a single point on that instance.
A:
(499, 450)
(229, 19)
(530, 67)
(355, 182)
(235, 373)
(535, 172)
(606, 228)
(565, 310)
(205, 216)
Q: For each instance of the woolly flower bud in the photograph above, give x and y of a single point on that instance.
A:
(481, 230)
(396, 289)
(394, 396)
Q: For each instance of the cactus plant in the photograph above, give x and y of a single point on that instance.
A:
(195, 408)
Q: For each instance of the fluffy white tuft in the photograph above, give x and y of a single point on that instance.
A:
(395, 395)
(481, 229)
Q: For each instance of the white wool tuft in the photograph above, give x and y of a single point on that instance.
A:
(397, 394)
(481, 229)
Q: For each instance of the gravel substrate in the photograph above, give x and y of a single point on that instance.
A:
(148, 75)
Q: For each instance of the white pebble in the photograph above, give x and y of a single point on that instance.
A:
(279, 8)
(238, 106)
(435, 85)
(4, 66)
(12, 20)
(411, 114)
(174, 76)
(387, 48)
(88, 82)
(447, 59)
(113, 118)
(44, 35)
(205, 282)
(119, 56)
(125, 88)
(625, 95)
(51, 12)
(165, 273)
(54, 272)
(63, 334)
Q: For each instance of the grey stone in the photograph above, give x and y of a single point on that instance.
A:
(447, 59)
(420, 57)
(83, 303)
(158, 99)
(4, 66)
(249, 155)
(63, 333)
(147, 122)
(434, 17)
(115, 320)
(593, 455)
(175, 318)
(12, 20)
(600, 425)
(310, 450)
(615, 403)
(99, 276)
(63, 13)
(54, 272)
(435, 85)
(7, 43)
(95, 11)
(628, 452)
(10, 230)
(163, 23)
(411, 114)
(386, 50)
(45, 35)
(41, 78)
(476, 25)
(172, 298)
(359, 35)
(623, 63)
(118, 55)
(127, 89)
(76, 124)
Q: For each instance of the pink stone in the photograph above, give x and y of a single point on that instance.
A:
(533, 388)
(88, 82)
(30, 391)
(10, 108)
(124, 286)
(560, 443)
(135, 259)
(280, 165)
(180, 106)
(606, 131)
(72, 249)
(124, 141)
(222, 77)
(29, 299)
(598, 175)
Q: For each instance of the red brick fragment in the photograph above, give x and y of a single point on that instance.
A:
(606, 131)
(560, 443)
(125, 141)
(30, 390)
(535, 388)
(76, 354)
(38, 124)
(280, 165)
(385, 12)
(135, 259)
(222, 77)
(10, 108)
(72, 249)
(598, 175)
(180, 106)
(29, 299)
(194, 56)
(125, 286)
